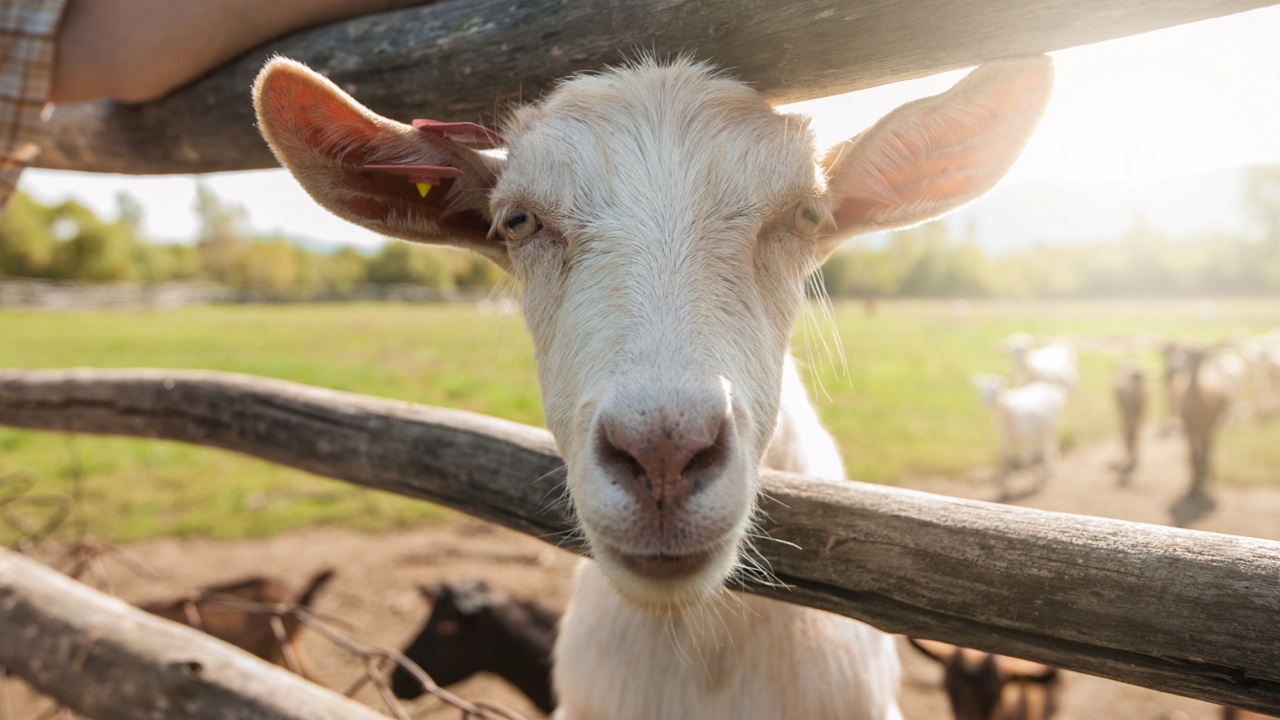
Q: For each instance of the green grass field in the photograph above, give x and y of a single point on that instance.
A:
(901, 405)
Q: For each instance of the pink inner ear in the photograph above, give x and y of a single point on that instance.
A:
(461, 132)
(303, 112)
(419, 173)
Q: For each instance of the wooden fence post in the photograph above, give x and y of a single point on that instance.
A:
(470, 59)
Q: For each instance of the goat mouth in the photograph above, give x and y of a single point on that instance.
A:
(662, 566)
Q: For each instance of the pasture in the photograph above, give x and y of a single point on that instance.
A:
(900, 404)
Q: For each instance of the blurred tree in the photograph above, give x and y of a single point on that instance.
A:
(129, 213)
(855, 271)
(343, 271)
(89, 248)
(269, 266)
(402, 262)
(222, 237)
(170, 261)
(1262, 194)
(26, 244)
(931, 264)
(475, 271)
(1143, 267)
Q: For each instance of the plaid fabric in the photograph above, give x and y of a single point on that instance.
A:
(27, 28)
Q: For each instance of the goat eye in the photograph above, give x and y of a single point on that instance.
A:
(806, 219)
(520, 224)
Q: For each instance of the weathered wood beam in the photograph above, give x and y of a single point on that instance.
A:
(106, 659)
(470, 59)
(1182, 611)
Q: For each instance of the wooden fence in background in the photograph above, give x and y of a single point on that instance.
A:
(44, 294)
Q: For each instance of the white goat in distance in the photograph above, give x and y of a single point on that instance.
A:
(1027, 420)
(661, 220)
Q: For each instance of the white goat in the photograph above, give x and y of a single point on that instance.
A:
(1053, 362)
(661, 220)
(1027, 419)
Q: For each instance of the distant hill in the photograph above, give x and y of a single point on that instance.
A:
(1019, 215)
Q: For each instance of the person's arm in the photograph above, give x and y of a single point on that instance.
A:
(139, 50)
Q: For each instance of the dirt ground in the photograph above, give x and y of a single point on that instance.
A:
(378, 575)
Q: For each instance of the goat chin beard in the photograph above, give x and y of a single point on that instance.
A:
(685, 583)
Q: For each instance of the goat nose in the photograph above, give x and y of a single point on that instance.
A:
(664, 458)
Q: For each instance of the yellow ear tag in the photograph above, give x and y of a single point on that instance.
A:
(423, 188)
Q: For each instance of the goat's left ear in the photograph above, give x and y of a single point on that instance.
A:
(326, 139)
(934, 649)
(1014, 669)
(933, 155)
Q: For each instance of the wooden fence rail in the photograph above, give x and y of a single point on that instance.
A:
(469, 59)
(105, 659)
(1176, 610)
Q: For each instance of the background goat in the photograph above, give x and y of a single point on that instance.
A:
(474, 628)
(982, 686)
(241, 612)
(661, 220)
(1027, 419)
(1128, 387)
(1202, 391)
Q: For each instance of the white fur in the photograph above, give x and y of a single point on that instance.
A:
(732, 655)
(735, 656)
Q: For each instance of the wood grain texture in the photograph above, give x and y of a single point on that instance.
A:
(1176, 610)
(108, 660)
(471, 59)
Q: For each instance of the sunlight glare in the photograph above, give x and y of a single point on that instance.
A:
(1152, 119)
(1169, 103)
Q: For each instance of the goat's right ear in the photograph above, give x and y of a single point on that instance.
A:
(325, 138)
(430, 594)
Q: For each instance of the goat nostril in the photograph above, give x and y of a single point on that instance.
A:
(620, 462)
(708, 457)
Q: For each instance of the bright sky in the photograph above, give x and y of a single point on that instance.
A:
(1170, 103)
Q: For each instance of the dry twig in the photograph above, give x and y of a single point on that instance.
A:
(15, 490)
(86, 553)
(374, 657)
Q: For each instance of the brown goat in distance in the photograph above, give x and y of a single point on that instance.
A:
(241, 612)
(1203, 395)
(1129, 390)
(474, 628)
(982, 686)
